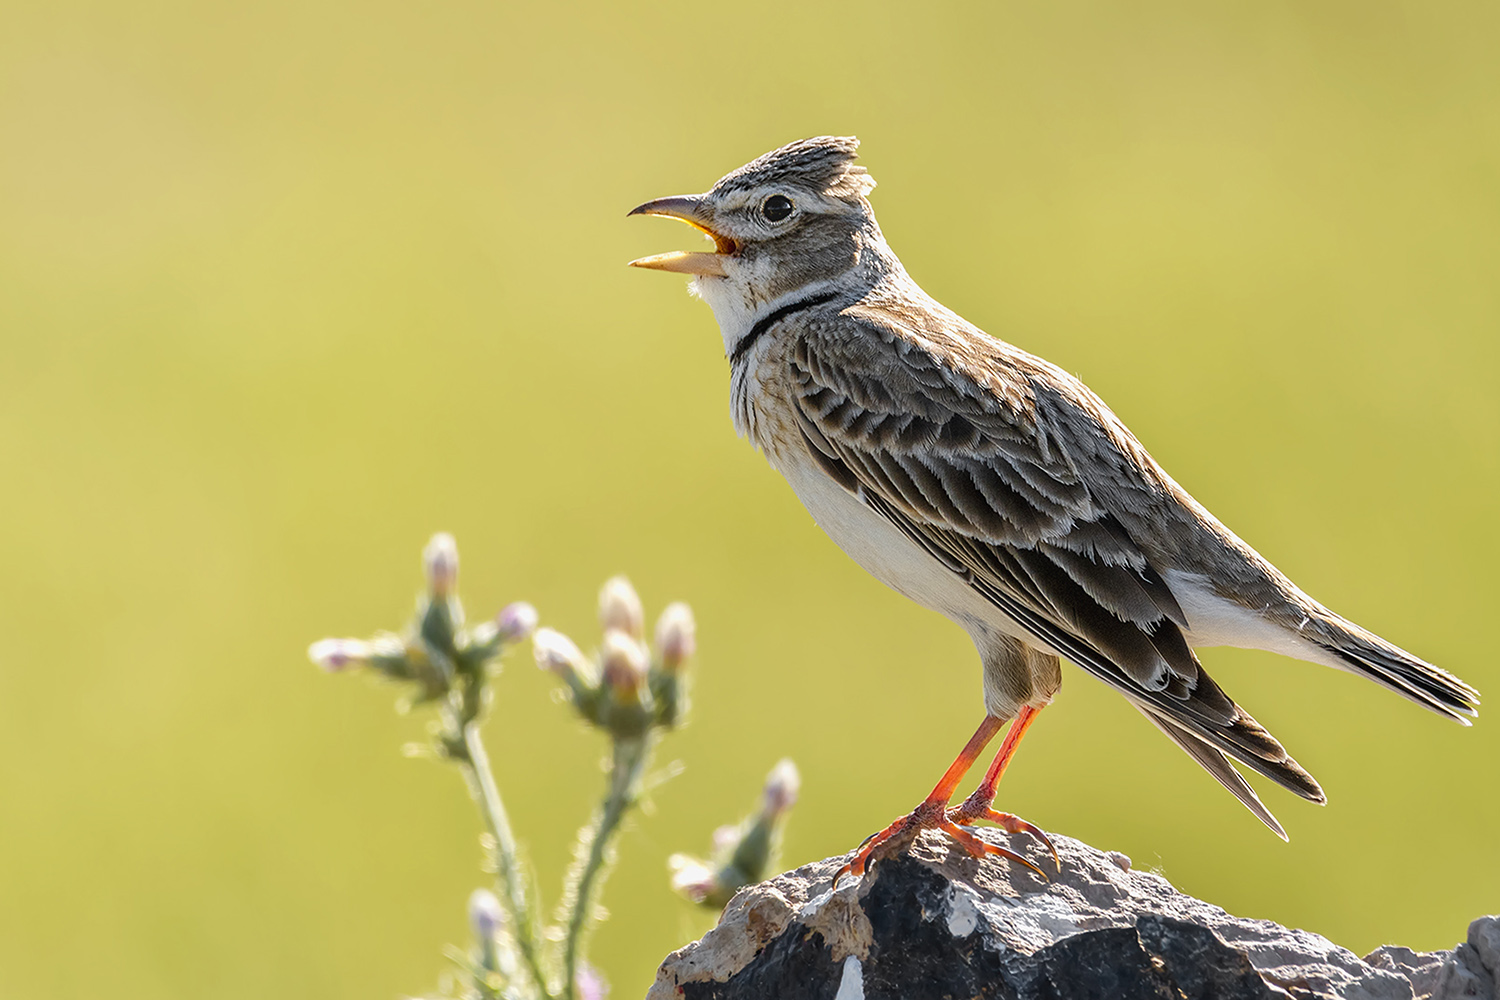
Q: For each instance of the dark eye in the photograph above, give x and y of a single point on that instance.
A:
(776, 208)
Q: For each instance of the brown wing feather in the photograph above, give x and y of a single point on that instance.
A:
(1216, 764)
(979, 477)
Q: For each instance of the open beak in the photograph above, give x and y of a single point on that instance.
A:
(688, 208)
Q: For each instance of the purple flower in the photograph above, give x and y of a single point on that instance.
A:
(676, 635)
(335, 655)
(782, 786)
(591, 983)
(485, 916)
(440, 562)
(692, 878)
(516, 621)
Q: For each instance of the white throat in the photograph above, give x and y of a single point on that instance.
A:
(738, 310)
(733, 301)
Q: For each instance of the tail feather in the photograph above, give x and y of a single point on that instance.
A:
(1246, 741)
(1216, 764)
(1393, 667)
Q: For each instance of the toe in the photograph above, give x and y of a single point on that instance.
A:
(979, 848)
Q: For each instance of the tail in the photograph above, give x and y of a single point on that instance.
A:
(1365, 653)
(1211, 728)
(1216, 764)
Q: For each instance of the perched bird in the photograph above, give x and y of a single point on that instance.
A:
(993, 487)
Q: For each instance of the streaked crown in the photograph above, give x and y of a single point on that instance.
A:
(823, 163)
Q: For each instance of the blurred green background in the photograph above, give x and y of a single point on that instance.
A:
(284, 288)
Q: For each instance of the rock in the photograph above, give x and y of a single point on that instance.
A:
(937, 923)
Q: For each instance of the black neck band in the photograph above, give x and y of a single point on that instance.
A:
(774, 317)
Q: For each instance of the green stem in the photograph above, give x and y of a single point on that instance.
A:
(508, 875)
(627, 764)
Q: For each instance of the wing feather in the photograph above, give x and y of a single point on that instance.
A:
(1216, 764)
(977, 472)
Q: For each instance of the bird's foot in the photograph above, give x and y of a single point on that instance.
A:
(932, 815)
(973, 809)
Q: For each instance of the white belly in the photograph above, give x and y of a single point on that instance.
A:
(889, 555)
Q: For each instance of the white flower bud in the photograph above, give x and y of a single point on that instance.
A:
(440, 562)
(516, 621)
(334, 655)
(692, 878)
(782, 786)
(620, 608)
(624, 663)
(727, 837)
(676, 635)
(485, 916)
(556, 653)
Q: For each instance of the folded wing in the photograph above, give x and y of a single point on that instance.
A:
(967, 455)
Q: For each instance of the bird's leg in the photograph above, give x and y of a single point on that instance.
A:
(932, 813)
(978, 805)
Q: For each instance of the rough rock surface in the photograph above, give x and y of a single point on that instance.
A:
(937, 923)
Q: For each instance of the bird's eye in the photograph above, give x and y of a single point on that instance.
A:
(776, 208)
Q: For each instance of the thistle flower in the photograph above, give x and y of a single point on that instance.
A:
(485, 916)
(591, 983)
(745, 852)
(335, 655)
(516, 621)
(440, 562)
(624, 665)
(782, 786)
(620, 608)
(693, 878)
(676, 636)
(557, 654)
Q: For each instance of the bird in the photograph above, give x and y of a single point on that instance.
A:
(996, 489)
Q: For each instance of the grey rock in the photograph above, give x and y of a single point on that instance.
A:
(938, 923)
(1423, 969)
(1472, 970)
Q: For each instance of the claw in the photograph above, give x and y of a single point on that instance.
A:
(875, 846)
(979, 848)
(1009, 822)
(933, 812)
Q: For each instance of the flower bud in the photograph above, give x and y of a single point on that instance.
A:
(620, 608)
(727, 838)
(516, 621)
(692, 878)
(334, 655)
(557, 654)
(676, 636)
(388, 654)
(782, 786)
(624, 664)
(440, 562)
(485, 919)
(591, 983)
(485, 916)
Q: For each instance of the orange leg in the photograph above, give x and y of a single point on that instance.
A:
(932, 813)
(979, 805)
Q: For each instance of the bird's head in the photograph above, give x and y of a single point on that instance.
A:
(794, 217)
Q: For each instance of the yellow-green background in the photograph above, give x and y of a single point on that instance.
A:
(285, 287)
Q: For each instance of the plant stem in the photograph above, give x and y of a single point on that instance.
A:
(628, 762)
(508, 875)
